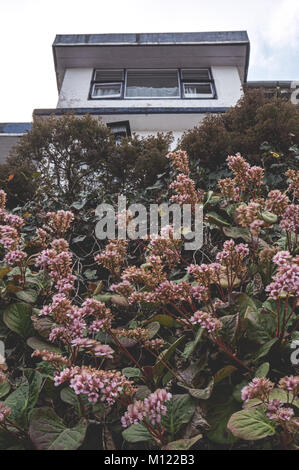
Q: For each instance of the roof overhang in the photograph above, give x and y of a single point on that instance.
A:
(152, 51)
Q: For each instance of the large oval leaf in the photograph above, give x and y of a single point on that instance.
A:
(17, 317)
(251, 425)
(137, 433)
(48, 431)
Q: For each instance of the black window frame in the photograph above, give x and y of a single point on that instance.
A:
(205, 81)
(107, 82)
(125, 124)
(181, 81)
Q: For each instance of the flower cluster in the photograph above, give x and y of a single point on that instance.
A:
(229, 190)
(108, 385)
(279, 413)
(286, 280)
(57, 360)
(290, 219)
(277, 202)
(293, 177)
(166, 247)
(290, 384)
(206, 321)
(257, 388)
(180, 160)
(245, 178)
(205, 274)
(185, 190)
(232, 256)
(247, 214)
(151, 409)
(58, 260)
(95, 348)
(114, 256)
(60, 221)
(10, 236)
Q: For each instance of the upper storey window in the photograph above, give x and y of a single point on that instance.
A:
(107, 84)
(152, 84)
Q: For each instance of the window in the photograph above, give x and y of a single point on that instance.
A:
(197, 83)
(120, 129)
(152, 84)
(107, 84)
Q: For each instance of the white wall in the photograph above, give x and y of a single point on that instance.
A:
(76, 86)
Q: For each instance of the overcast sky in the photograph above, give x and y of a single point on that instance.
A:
(28, 28)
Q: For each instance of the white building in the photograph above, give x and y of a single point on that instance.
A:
(151, 82)
(144, 83)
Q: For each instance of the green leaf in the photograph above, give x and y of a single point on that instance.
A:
(263, 370)
(223, 373)
(219, 413)
(237, 232)
(180, 410)
(164, 320)
(29, 295)
(182, 444)
(251, 425)
(130, 372)
(40, 345)
(200, 393)
(275, 394)
(165, 356)
(18, 402)
(48, 431)
(265, 349)
(190, 347)
(136, 433)
(153, 328)
(261, 326)
(35, 381)
(4, 389)
(17, 317)
(68, 395)
(269, 217)
(216, 219)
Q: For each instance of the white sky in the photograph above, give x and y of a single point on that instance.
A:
(28, 28)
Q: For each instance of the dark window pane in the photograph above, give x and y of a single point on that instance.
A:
(196, 74)
(152, 84)
(108, 75)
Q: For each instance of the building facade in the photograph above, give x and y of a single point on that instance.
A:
(145, 83)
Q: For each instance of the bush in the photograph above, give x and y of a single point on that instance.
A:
(244, 128)
(72, 155)
(165, 348)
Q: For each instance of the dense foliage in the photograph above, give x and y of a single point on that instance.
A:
(141, 344)
(69, 155)
(256, 123)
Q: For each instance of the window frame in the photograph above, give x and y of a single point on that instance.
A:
(181, 83)
(95, 82)
(153, 97)
(205, 81)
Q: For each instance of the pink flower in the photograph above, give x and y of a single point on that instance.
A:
(15, 257)
(257, 388)
(205, 320)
